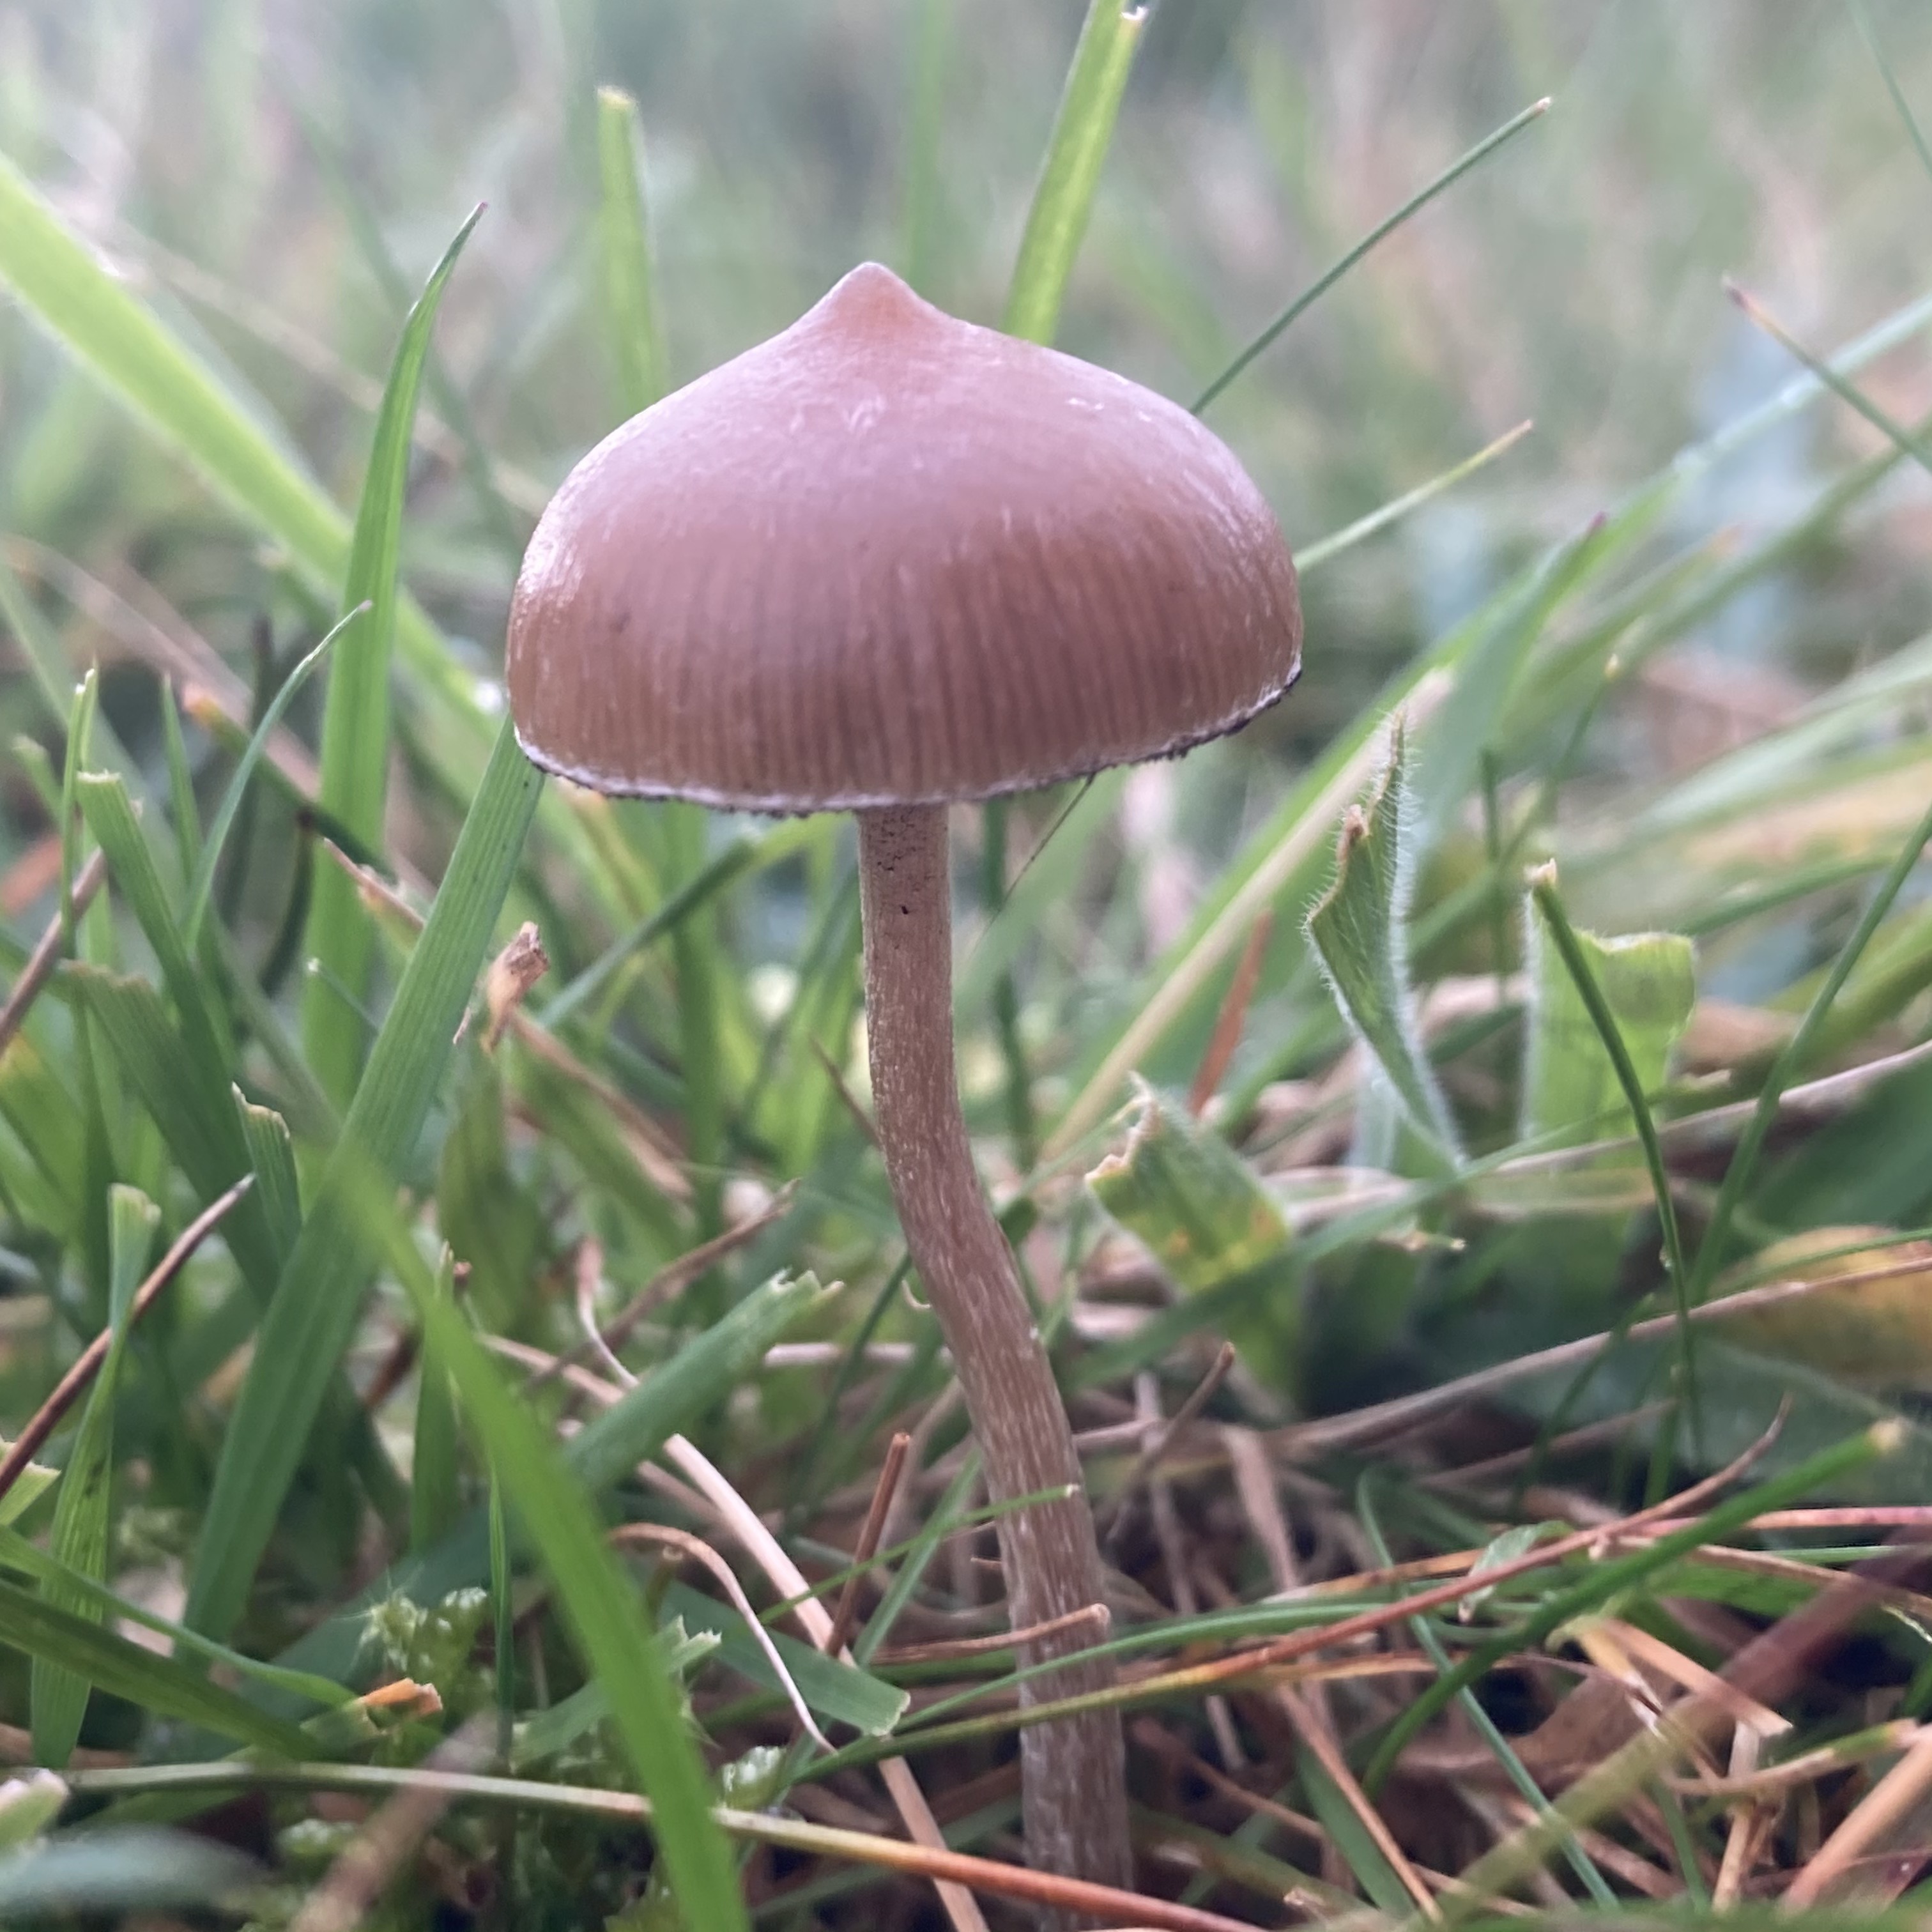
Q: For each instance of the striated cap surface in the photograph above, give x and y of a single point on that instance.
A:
(888, 557)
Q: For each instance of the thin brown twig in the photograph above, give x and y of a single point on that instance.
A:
(1232, 1017)
(1888, 1803)
(1153, 1737)
(1591, 1435)
(848, 1099)
(946, 1648)
(683, 1541)
(1365, 1623)
(1107, 1902)
(1765, 1670)
(87, 1364)
(745, 1523)
(1143, 1464)
(1767, 1781)
(668, 1281)
(46, 955)
(1319, 1737)
(845, 1618)
(1741, 1839)
(656, 1157)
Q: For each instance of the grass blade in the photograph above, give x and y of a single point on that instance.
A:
(630, 314)
(314, 1314)
(109, 813)
(435, 1502)
(201, 882)
(1555, 922)
(1323, 282)
(1083, 129)
(356, 721)
(617, 1643)
(57, 1695)
(1861, 15)
(272, 1154)
(1358, 930)
(126, 1669)
(932, 37)
(98, 318)
(1570, 1082)
(635, 329)
(610, 1445)
(1278, 853)
(1392, 512)
(27, 1559)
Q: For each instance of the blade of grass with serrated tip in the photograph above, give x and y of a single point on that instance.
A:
(1280, 852)
(1358, 929)
(272, 1155)
(1380, 233)
(1083, 129)
(57, 1695)
(354, 756)
(201, 882)
(128, 1670)
(313, 1315)
(616, 1642)
(1207, 1219)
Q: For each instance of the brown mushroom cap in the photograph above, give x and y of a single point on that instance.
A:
(887, 558)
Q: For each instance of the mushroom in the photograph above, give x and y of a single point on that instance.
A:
(884, 561)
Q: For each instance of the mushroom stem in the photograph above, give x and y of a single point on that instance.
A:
(1073, 1777)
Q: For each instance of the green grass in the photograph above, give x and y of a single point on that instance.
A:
(1674, 643)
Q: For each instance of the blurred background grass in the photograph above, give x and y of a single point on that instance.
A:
(277, 176)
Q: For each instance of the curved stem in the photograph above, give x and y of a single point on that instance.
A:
(1074, 1787)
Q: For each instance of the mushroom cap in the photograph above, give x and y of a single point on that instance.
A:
(888, 557)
